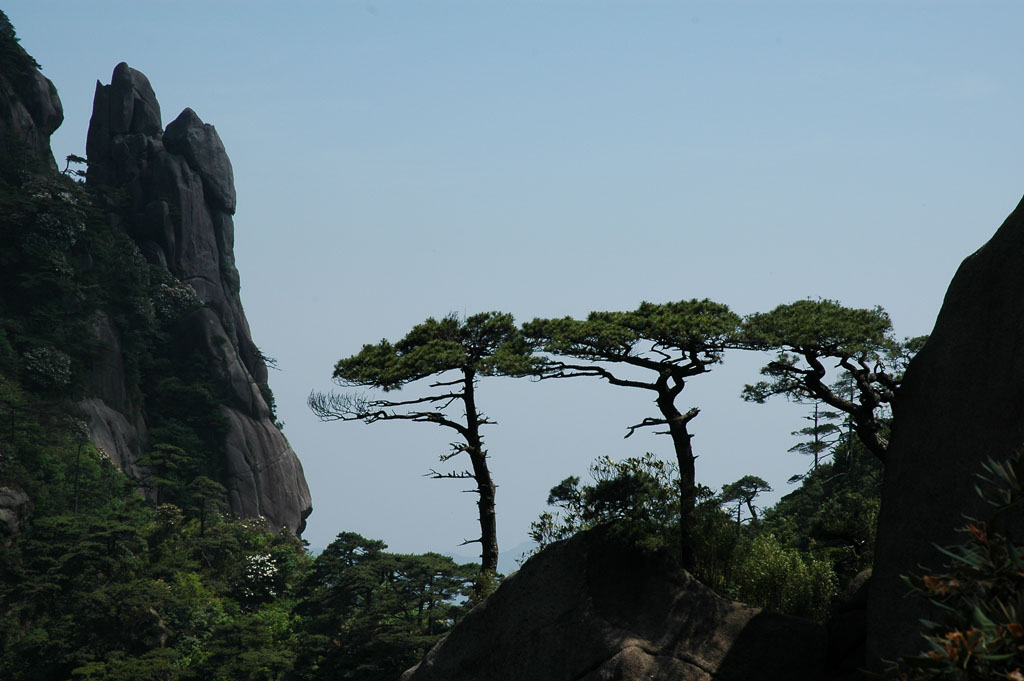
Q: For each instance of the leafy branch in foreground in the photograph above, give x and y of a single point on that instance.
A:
(981, 597)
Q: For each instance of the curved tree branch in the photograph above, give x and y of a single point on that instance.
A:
(563, 370)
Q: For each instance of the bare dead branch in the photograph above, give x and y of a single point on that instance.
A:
(454, 475)
(689, 416)
(647, 422)
(434, 417)
(356, 407)
(444, 384)
(348, 406)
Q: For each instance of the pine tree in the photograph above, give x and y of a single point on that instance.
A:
(821, 434)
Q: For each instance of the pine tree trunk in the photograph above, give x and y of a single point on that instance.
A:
(485, 490)
(687, 476)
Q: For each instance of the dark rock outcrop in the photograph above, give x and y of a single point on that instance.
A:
(200, 144)
(961, 402)
(181, 195)
(31, 109)
(588, 610)
(847, 630)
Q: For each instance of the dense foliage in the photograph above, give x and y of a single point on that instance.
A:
(369, 614)
(793, 558)
(100, 584)
(835, 510)
(636, 497)
(122, 590)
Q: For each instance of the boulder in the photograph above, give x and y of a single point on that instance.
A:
(134, 108)
(262, 472)
(962, 401)
(124, 114)
(200, 144)
(111, 431)
(108, 377)
(847, 630)
(181, 195)
(14, 510)
(591, 609)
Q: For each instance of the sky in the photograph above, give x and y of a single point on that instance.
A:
(402, 160)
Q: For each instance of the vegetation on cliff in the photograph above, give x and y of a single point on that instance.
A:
(793, 559)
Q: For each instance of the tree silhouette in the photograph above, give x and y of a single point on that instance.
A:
(672, 342)
(457, 352)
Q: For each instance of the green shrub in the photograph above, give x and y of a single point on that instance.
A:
(782, 580)
(636, 497)
(47, 368)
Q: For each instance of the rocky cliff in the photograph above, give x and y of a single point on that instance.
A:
(180, 197)
(961, 402)
(30, 109)
(164, 199)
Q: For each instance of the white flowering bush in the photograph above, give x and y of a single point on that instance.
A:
(47, 367)
(258, 581)
(175, 299)
(60, 231)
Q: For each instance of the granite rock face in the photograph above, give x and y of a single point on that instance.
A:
(31, 109)
(180, 189)
(200, 144)
(961, 402)
(585, 610)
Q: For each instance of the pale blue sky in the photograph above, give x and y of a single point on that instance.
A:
(399, 160)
